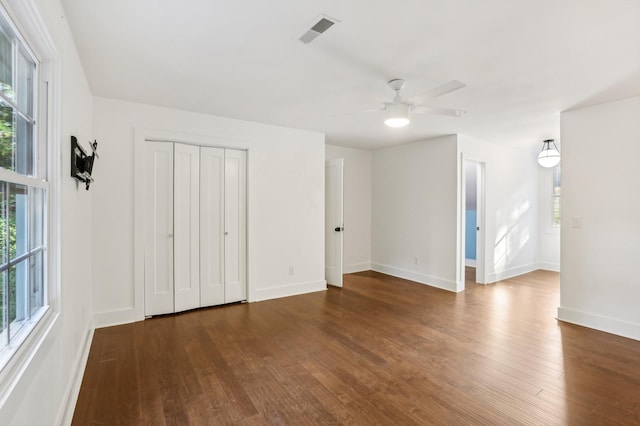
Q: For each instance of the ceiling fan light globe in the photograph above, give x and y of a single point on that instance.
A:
(396, 121)
(397, 115)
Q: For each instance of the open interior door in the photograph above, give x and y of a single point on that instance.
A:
(334, 221)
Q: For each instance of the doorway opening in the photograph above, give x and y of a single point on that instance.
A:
(473, 223)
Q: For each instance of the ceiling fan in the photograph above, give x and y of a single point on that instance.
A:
(398, 110)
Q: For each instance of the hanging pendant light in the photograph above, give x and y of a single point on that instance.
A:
(549, 156)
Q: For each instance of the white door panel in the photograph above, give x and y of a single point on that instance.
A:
(196, 237)
(334, 221)
(158, 259)
(186, 222)
(235, 213)
(211, 226)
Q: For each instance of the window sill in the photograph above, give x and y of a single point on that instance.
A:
(15, 358)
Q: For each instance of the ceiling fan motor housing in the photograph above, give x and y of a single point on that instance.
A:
(396, 84)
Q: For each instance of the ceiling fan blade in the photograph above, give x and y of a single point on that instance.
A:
(443, 89)
(423, 109)
(364, 111)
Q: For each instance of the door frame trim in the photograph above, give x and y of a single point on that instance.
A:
(481, 276)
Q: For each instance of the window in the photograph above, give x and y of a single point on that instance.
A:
(555, 202)
(23, 194)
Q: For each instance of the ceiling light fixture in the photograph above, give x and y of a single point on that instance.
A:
(397, 115)
(549, 156)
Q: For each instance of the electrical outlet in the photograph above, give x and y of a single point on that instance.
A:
(291, 270)
(416, 260)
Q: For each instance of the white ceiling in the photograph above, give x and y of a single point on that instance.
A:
(523, 61)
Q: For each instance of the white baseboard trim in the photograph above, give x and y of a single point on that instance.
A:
(131, 314)
(548, 266)
(121, 316)
(470, 262)
(510, 273)
(73, 387)
(288, 290)
(357, 267)
(415, 276)
(601, 323)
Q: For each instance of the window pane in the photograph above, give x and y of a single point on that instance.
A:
(24, 146)
(36, 279)
(6, 135)
(556, 195)
(16, 141)
(556, 177)
(6, 63)
(4, 224)
(3, 311)
(36, 217)
(18, 286)
(18, 225)
(24, 83)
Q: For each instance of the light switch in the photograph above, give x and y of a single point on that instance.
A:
(576, 222)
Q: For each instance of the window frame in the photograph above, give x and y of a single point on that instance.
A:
(548, 196)
(557, 169)
(30, 29)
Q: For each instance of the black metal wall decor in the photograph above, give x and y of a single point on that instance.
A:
(81, 163)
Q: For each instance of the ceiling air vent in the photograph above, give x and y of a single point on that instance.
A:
(322, 24)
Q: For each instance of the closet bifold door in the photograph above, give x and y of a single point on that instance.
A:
(211, 226)
(186, 227)
(235, 219)
(158, 245)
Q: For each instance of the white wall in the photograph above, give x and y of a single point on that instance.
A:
(50, 379)
(511, 206)
(417, 210)
(285, 202)
(600, 227)
(357, 206)
(471, 184)
(414, 216)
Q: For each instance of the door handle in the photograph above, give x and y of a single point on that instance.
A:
(339, 229)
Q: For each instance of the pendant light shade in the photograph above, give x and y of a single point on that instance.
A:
(397, 115)
(549, 156)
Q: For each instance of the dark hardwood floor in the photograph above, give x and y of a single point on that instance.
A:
(381, 350)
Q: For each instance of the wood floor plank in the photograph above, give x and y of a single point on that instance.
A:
(380, 350)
